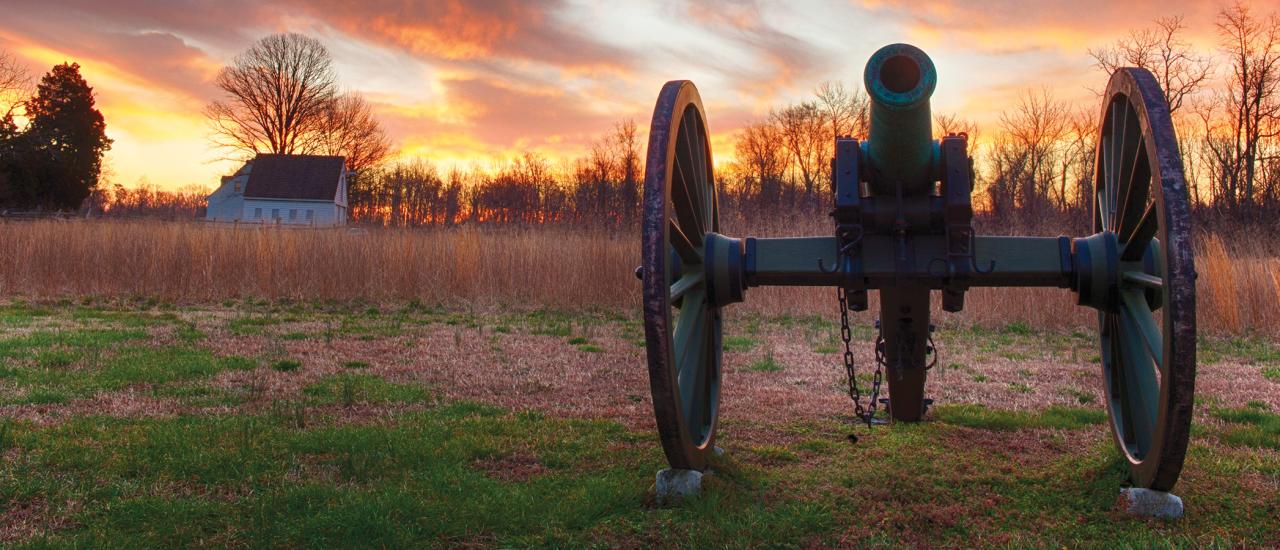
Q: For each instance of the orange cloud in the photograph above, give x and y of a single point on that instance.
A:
(478, 81)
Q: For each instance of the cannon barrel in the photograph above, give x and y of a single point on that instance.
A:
(899, 80)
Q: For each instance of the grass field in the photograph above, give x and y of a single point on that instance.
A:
(135, 423)
(496, 268)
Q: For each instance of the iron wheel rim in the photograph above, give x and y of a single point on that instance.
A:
(1148, 336)
(680, 208)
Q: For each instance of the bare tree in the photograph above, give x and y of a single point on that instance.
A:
(15, 85)
(348, 128)
(1251, 100)
(1163, 51)
(277, 95)
(954, 124)
(804, 135)
(626, 149)
(1036, 126)
(845, 112)
(761, 161)
(1078, 158)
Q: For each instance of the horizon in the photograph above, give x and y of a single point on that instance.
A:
(473, 86)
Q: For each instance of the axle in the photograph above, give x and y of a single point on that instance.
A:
(888, 262)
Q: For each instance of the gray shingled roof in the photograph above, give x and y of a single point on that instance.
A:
(300, 177)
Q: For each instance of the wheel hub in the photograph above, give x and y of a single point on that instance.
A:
(726, 280)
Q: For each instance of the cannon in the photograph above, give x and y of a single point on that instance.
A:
(903, 226)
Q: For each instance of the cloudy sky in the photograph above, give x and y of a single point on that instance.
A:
(465, 83)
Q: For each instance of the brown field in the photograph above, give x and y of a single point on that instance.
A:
(183, 384)
(496, 269)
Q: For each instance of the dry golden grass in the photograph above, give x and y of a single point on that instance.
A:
(509, 268)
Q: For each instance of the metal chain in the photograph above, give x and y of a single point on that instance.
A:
(864, 414)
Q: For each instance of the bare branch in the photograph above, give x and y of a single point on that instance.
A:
(15, 84)
(1162, 50)
(277, 95)
(348, 128)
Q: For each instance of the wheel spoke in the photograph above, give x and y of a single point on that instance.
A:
(1137, 320)
(700, 398)
(1142, 389)
(1146, 229)
(1119, 387)
(688, 211)
(1104, 184)
(1113, 162)
(686, 283)
(689, 252)
(696, 175)
(1143, 279)
(707, 186)
(689, 357)
(695, 306)
(1103, 216)
(1134, 201)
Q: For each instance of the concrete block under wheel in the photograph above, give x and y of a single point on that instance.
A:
(1149, 503)
(673, 484)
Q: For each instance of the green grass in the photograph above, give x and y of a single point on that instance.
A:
(54, 359)
(236, 362)
(1082, 397)
(1255, 426)
(775, 453)
(287, 365)
(765, 364)
(424, 478)
(349, 389)
(253, 324)
(1271, 372)
(1255, 350)
(466, 472)
(1018, 328)
(979, 416)
(355, 459)
(738, 343)
(47, 368)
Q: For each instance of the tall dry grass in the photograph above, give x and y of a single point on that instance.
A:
(521, 268)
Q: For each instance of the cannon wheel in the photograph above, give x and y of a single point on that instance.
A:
(679, 211)
(1149, 335)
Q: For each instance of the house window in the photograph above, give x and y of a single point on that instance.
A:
(275, 213)
(257, 213)
(293, 214)
(311, 214)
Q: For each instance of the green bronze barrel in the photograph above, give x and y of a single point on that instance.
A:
(899, 79)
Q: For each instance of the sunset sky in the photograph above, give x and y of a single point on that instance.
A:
(465, 83)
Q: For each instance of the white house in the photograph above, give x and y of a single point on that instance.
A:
(284, 189)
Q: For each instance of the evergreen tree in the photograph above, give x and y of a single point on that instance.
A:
(56, 161)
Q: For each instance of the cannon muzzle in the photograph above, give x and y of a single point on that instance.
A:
(899, 79)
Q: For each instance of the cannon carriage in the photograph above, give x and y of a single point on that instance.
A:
(902, 227)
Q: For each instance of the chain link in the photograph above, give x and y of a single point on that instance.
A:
(864, 414)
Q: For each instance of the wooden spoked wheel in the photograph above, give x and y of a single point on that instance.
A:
(1147, 326)
(682, 327)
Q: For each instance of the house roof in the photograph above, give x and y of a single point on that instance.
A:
(300, 177)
